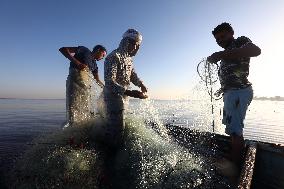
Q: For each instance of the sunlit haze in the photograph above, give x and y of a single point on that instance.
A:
(176, 36)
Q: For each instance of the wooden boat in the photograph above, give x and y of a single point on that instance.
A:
(263, 167)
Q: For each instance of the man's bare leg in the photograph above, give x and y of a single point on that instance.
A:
(237, 151)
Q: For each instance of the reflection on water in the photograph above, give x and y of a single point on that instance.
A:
(23, 120)
(265, 121)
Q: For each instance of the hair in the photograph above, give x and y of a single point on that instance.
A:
(99, 48)
(223, 27)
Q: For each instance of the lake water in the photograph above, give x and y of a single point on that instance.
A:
(23, 120)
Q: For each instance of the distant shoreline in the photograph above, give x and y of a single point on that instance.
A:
(254, 98)
(276, 98)
(32, 98)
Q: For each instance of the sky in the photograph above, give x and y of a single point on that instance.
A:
(176, 36)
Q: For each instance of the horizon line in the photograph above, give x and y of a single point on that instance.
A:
(21, 98)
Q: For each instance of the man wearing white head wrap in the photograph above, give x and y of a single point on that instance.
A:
(119, 72)
(133, 34)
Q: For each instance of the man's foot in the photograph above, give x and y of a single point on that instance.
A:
(228, 169)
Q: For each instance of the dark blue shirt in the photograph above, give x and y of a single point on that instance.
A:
(84, 55)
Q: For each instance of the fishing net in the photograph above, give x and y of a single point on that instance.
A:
(208, 73)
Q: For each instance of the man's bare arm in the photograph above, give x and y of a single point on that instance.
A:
(136, 81)
(248, 50)
(96, 76)
(66, 51)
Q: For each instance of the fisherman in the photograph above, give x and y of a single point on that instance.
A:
(82, 72)
(235, 86)
(119, 72)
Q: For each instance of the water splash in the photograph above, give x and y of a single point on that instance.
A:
(73, 158)
(82, 94)
(148, 157)
(147, 111)
(163, 164)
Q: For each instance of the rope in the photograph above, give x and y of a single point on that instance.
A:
(90, 75)
(208, 72)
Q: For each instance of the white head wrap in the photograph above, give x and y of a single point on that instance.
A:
(133, 34)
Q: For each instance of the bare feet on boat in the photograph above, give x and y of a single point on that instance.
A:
(228, 169)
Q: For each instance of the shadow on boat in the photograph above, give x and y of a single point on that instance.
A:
(263, 167)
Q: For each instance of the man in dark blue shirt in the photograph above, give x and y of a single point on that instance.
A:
(84, 58)
(79, 85)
